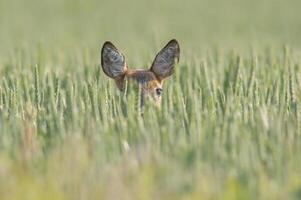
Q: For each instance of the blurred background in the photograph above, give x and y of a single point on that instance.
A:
(138, 26)
(230, 126)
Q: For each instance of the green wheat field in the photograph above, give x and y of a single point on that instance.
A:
(229, 126)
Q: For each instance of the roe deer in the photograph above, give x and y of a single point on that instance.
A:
(150, 81)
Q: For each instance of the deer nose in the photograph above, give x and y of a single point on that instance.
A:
(159, 91)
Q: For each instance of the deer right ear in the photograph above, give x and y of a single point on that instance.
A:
(166, 59)
(112, 61)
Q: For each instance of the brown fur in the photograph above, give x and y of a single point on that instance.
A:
(144, 77)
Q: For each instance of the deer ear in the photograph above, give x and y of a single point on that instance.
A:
(166, 59)
(112, 61)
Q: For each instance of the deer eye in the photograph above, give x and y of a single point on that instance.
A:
(159, 91)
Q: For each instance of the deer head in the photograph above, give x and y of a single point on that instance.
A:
(150, 81)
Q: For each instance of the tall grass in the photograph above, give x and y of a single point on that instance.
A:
(228, 127)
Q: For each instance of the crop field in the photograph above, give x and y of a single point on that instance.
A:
(229, 125)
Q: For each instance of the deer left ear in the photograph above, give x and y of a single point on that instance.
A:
(112, 61)
(166, 59)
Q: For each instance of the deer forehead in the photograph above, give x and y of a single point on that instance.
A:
(144, 77)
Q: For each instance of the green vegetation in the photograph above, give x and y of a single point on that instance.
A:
(228, 127)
